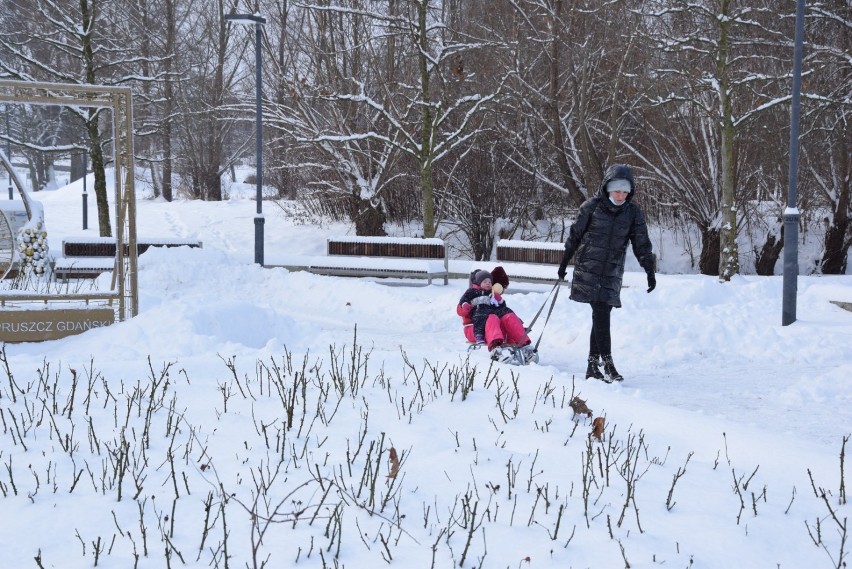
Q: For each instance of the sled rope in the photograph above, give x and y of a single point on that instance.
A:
(549, 312)
(537, 314)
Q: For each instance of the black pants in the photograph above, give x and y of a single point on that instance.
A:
(600, 342)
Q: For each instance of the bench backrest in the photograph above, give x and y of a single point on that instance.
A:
(388, 247)
(105, 247)
(539, 252)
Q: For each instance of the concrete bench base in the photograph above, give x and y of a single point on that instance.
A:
(377, 273)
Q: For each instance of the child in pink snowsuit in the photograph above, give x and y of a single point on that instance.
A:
(485, 316)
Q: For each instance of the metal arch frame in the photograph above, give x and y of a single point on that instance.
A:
(4, 226)
(124, 288)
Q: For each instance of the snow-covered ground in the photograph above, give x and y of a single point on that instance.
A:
(247, 415)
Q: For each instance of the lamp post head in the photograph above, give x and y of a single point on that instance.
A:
(245, 19)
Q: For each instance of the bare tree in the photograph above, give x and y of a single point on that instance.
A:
(481, 118)
(678, 157)
(81, 42)
(59, 49)
(350, 100)
(202, 96)
(163, 60)
(486, 198)
(577, 80)
(829, 114)
(727, 58)
(763, 172)
(323, 111)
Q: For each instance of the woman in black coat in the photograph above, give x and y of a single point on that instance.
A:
(598, 242)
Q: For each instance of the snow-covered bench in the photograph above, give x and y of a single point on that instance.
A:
(393, 257)
(382, 257)
(105, 246)
(88, 257)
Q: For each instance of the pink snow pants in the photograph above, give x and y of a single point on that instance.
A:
(508, 330)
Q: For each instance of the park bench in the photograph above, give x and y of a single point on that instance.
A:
(387, 257)
(88, 257)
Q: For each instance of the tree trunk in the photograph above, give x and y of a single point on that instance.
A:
(835, 256)
(729, 263)
(40, 168)
(390, 52)
(839, 233)
(95, 149)
(168, 192)
(211, 181)
(767, 257)
(169, 95)
(369, 219)
(708, 263)
(97, 155)
(593, 167)
(78, 166)
(427, 196)
(576, 196)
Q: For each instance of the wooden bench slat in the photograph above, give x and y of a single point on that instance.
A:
(402, 250)
(525, 255)
(105, 247)
(537, 252)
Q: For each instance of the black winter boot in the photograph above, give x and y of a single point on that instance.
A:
(592, 370)
(609, 368)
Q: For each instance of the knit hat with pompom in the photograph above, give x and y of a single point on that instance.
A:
(498, 275)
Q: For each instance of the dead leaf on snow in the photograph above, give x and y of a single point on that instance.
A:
(579, 407)
(597, 428)
(394, 463)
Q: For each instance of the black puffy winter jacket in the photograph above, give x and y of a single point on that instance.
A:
(598, 242)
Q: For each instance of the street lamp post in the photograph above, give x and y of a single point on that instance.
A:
(257, 20)
(85, 194)
(791, 213)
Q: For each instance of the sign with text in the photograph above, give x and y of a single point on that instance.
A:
(42, 325)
